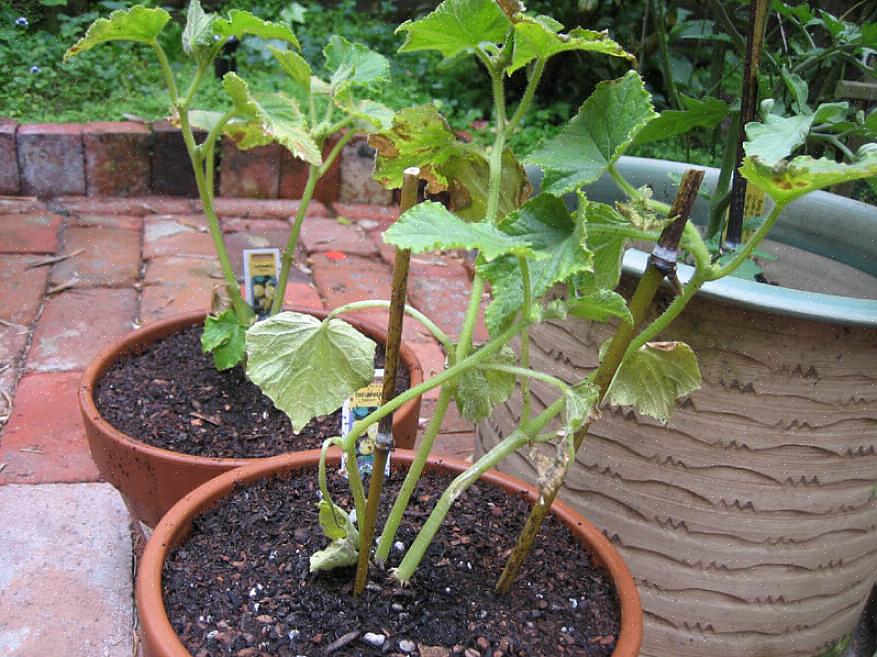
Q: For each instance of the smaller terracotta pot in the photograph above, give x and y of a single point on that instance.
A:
(160, 640)
(152, 479)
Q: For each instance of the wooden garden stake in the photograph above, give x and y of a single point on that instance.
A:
(384, 441)
(662, 263)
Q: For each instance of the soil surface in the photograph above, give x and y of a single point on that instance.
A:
(240, 585)
(172, 396)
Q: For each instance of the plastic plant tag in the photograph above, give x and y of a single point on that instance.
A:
(261, 269)
(753, 205)
(364, 401)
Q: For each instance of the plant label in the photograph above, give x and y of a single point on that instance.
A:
(364, 401)
(261, 269)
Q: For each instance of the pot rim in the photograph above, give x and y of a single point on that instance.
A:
(164, 327)
(155, 626)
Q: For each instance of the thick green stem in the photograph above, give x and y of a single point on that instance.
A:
(527, 98)
(527, 373)
(465, 343)
(411, 311)
(518, 439)
(413, 475)
(166, 72)
(722, 192)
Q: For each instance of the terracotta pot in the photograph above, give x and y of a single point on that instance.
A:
(158, 636)
(152, 479)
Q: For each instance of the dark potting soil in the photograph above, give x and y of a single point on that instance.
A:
(171, 396)
(240, 585)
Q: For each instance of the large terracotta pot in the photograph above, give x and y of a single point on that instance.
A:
(158, 636)
(152, 479)
(750, 520)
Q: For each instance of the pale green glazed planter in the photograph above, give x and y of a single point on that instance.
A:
(749, 521)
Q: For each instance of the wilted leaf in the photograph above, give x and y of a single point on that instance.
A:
(654, 377)
(468, 182)
(308, 367)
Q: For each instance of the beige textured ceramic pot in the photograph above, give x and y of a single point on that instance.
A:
(750, 520)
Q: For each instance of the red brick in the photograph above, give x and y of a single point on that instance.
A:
(51, 161)
(139, 207)
(44, 440)
(20, 205)
(128, 222)
(243, 225)
(117, 158)
(173, 236)
(10, 181)
(21, 288)
(294, 176)
(171, 167)
(263, 209)
(357, 183)
(176, 285)
(29, 233)
(77, 324)
(110, 257)
(253, 173)
(359, 211)
(450, 294)
(350, 279)
(302, 294)
(328, 235)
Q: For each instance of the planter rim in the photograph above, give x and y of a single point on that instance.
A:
(104, 360)
(157, 631)
(823, 223)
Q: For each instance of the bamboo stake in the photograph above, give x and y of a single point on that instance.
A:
(384, 441)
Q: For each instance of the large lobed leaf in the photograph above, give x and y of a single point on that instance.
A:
(139, 24)
(654, 377)
(353, 63)
(429, 226)
(279, 117)
(536, 39)
(241, 23)
(605, 126)
(456, 26)
(559, 240)
(785, 181)
(308, 367)
(420, 137)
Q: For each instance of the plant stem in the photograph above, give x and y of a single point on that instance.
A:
(721, 193)
(384, 441)
(741, 255)
(530, 374)
(166, 71)
(458, 486)
(526, 310)
(663, 46)
(661, 263)
(286, 259)
(465, 342)
(527, 98)
(411, 311)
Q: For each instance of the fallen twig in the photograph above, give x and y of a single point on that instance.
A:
(51, 260)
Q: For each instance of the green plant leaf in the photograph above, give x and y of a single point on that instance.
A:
(370, 114)
(652, 378)
(579, 401)
(600, 306)
(559, 240)
(353, 63)
(480, 390)
(785, 181)
(334, 521)
(420, 137)
(777, 137)
(308, 367)
(429, 226)
(138, 24)
(468, 182)
(607, 249)
(198, 33)
(340, 553)
(707, 113)
(295, 66)
(536, 39)
(605, 126)
(456, 26)
(279, 116)
(225, 338)
(241, 23)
